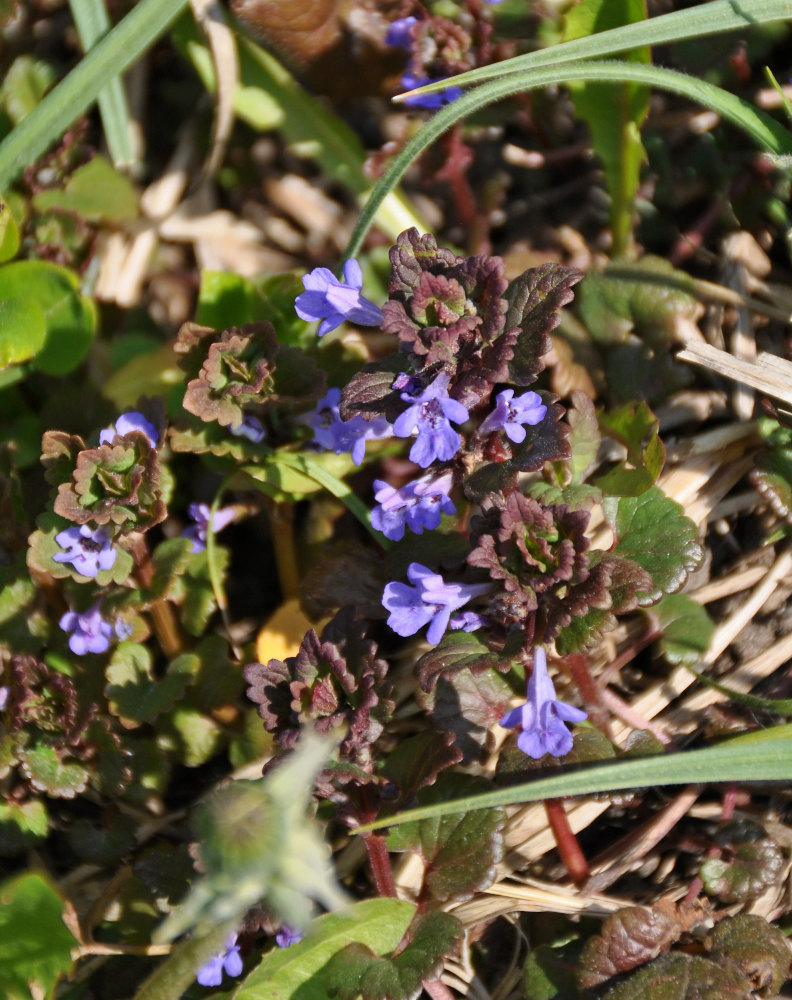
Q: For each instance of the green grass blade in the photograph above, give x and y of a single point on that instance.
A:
(112, 55)
(92, 22)
(766, 758)
(766, 131)
(706, 19)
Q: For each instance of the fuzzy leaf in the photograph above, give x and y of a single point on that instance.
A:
(686, 627)
(22, 825)
(631, 937)
(300, 971)
(370, 392)
(584, 630)
(652, 531)
(584, 438)
(682, 977)
(535, 299)
(638, 370)
(644, 297)
(457, 651)
(132, 692)
(459, 852)
(760, 950)
(199, 599)
(35, 944)
(193, 736)
(468, 705)
(170, 559)
(95, 191)
(356, 972)
(418, 760)
(752, 863)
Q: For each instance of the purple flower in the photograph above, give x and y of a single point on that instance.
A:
(430, 415)
(416, 505)
(197, 532)
(399, 32)
(431, 599)
(331, 301)
(510, 414)
(334, 434)
(90, 632)
(126, 423)
(468, 621)
(88, 549)
(250, 428)
(287, 936)
(542, 717)
(211, 972)
(410, 81)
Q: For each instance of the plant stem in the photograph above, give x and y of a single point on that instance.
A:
(568, 846)
(282, 524)
(437, 990)
(379, 862)
(162, 616)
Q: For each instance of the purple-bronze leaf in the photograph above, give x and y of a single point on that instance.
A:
(535, 299)
(757, 948)
(750, 862)
(418, 760)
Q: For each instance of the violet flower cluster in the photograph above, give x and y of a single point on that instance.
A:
(399, 35)
(436, 421)
(332, 301)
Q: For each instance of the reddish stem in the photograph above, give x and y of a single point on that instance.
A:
(580, 668)
(568, 846)
(437, 990)
(379, 862)
(162, 615)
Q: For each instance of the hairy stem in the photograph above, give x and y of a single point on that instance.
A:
(379, 862)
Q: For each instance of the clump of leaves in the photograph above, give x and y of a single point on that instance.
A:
(750, 862)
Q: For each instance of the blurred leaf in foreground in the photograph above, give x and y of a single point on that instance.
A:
(256, 843)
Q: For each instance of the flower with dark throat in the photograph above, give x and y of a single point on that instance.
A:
(334, 434)
(429, 416)
(430, 601)
(89, 550)
(542, 717)
(416, 505)
(332, 301)
(510, 414)
(228, 961)
(90, 633)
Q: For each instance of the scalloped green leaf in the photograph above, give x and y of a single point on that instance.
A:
(47, 772)
(298, 972)
(199, 598)
(686, 627)
(356, 972)
(752, 862)
(653, 531)
(456, 651)
(636, 428)
(194, 737)
(35, 944)
(132, 692)
(25, 82)
(460, 851)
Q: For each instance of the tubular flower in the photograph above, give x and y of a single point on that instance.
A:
(90, 632)
(197, 532)
(288, 936)
(542, 717)
(332, 301)
(510, 414)
(230, 961)
(334, 434)
(416, 505)
(89, 550)
(430, 415)
(431, 601)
